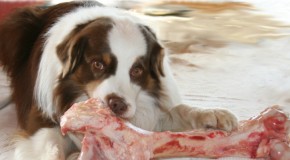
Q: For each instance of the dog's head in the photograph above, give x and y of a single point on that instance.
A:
(116, 60)
(104, 53)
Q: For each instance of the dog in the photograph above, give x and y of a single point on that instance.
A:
(72, 51)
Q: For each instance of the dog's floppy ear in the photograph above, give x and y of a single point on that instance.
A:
(156, 60)
(70, 52)
(155, 53)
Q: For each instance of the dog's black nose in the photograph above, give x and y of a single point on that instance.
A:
(117, 105)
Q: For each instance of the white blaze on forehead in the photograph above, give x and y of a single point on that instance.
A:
(126, 41)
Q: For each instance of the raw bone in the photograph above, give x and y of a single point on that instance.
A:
(107, 137)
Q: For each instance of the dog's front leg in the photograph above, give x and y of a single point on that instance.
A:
(45, 144)
(184, 117)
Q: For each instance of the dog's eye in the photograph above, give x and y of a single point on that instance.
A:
(98, 65)
(136, 71)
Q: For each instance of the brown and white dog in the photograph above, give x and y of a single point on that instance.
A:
(72, 51)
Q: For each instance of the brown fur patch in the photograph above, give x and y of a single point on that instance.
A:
(36, 120)
(107, 58)
(21, 44)
(154, 55)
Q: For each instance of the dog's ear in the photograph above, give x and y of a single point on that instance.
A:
(70, 52)
(18, 33)
(156, 56)
(155, 53)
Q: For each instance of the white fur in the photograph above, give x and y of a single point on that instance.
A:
(46, 144)
(169, 86)
(50, 66)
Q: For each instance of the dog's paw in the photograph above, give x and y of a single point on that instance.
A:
(215, 119)
(45, 144)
